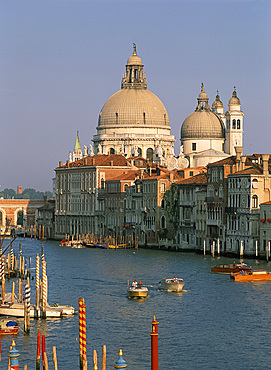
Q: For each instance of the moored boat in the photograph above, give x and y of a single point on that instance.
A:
(231, 268)
(8, 327)
(17, 310)
(137, 290)
(255, 275)
(172, 285)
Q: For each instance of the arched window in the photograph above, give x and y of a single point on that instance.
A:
(117, 118)
(163, 222)
(163, 203)
(238, 124)
(144, 118)
(139, 150)
(150, 154)
(254, 201)
(111, 151)
(234, 124)
(20, 218)
(102, 183)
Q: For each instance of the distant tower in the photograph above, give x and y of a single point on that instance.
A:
(19, 189)
(234, 124)
(77, 153)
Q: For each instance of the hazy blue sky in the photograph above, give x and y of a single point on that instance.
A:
(61, 60)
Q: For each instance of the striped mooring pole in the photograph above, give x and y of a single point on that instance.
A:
(154, 345)
(13, 357)
(44, 289)
(38, 351)
(82, 332)
(27, 309)
(37, 285)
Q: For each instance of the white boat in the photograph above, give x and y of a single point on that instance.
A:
(17, 310)
(137, 290)
(172, 285)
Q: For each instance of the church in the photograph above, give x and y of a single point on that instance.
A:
(134, 122)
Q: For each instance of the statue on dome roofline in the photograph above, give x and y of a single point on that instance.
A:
(85, 151)
(91, 153)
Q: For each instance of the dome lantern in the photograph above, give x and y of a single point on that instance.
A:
(203, 100)
(134, 77)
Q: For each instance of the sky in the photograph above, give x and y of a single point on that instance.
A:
(62, 59)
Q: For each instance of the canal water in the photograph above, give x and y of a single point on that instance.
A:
(215, 324)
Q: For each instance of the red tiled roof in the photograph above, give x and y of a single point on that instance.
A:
(201, 178)
(101, 160)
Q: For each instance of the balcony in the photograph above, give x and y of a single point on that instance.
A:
(209, 200)
(231, 210)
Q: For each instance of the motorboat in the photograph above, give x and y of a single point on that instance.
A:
(8, 326)
(255, 275)
(230, 268)
(171, 285)
(137, 290)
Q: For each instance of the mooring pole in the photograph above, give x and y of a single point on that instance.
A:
(37, 285)
(154, 345)
(13, 357)
(38, 351)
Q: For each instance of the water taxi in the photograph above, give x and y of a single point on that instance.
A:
(172, 285)
(231, 268)
(8, 327)
(251, 275)
(137, 290)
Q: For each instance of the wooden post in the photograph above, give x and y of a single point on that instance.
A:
(38, 351)
(39, 231)
(256, 248)
(24, 231)
(45, 364)
(54, 357)
(43, 348)
(3, 289)
(95, 360)
(154, 345)
(20, 291)
(0, 348)
(204, 247)
(104, 358)
(35, 231)
(43, 231)
(31, 232)
(13, 292)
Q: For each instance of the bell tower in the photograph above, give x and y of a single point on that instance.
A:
(234, 124)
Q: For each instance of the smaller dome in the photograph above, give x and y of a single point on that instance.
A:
(134, 60)
(202, 124)
(202, 95)
(217, 103)
(234, 100)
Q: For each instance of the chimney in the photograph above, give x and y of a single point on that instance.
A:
(171, 176)
(243, 162)
(238, 150)
(111, 163)
(265, 159)
(60, 164)
(141, 173)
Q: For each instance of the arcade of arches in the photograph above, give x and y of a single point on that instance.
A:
(18, 212)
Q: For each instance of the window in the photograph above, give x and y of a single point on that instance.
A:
(194, 146)
(163, 203)
(163, 222)
(102, 183)
(254, 201)
(238, 124)
(163, 187)
(234, 124)
(117, 118)
(191, 173)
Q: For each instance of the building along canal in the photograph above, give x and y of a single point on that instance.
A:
(215, 324)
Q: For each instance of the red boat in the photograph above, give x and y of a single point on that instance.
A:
(8, 327)
(231, 268)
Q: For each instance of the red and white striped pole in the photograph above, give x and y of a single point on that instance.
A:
(82, 332)
(154, 345)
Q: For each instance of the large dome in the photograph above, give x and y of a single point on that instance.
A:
(133, 107)
(202, 124)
